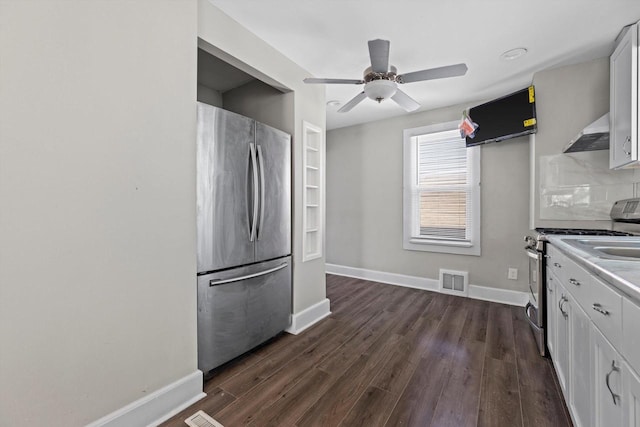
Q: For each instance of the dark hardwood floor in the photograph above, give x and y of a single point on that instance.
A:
(391, 356)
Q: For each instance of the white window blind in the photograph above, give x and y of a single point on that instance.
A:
(442, 188)
(441, 191)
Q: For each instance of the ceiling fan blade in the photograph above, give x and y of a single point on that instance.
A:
(379, 54)
(433, 73)
(355, 101)
(334, 81)
(405, 101)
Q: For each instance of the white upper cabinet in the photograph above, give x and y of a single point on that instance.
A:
(623, 138)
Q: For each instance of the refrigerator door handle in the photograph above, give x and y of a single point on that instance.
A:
(261, 161)
(254, 170)
(216, 282)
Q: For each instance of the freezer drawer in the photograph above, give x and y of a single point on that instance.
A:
(241, 308)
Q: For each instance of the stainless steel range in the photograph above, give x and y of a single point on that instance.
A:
(535, 309)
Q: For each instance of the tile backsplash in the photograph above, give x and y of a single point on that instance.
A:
(580, 186)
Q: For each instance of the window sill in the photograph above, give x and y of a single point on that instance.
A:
(458, 248)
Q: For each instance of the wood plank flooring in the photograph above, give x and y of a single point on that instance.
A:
(391, 356)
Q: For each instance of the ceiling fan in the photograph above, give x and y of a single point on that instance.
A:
(381, 79)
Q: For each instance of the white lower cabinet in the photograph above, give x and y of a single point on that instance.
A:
(593, 337)
(552, 312)
(561, 326)
(580, 365)
(607, 382)
(630, 397)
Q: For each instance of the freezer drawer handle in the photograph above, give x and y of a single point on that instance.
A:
(216, 282)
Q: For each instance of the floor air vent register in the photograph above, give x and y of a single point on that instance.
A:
(202, 419)
(454, 282)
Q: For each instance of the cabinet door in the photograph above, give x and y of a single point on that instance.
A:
(623, 139)
(563, 342)
(607, 381)
(552, 312)
(580, 365)
(630, 397)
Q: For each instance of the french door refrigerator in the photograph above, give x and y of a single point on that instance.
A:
(244, 234)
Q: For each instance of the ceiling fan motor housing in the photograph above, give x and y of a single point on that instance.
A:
(380, 86)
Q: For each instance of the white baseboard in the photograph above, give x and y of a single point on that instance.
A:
(383, 277)
(309, 316)
(503, 296)
(158, 406)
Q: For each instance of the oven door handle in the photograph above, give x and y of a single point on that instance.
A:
(534, 254)
(526, 314)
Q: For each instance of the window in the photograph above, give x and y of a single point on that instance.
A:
(441, 191)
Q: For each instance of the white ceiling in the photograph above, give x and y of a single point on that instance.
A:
(329, 39)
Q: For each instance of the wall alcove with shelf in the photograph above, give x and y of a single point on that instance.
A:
(313, 193)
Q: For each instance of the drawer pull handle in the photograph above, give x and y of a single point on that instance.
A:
(557, 265)
(614, 368)
(597, 307)
(574, 282)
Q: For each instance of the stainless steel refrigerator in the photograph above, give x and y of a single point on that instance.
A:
(244, 234)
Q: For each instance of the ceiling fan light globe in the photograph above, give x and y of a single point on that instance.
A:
(379, 90)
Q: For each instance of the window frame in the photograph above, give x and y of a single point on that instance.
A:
(471, 247)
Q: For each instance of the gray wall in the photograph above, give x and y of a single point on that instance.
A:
(262, 103)
(97, 182)
(97, 225)
(364, 204)
(209, 96)
(221, 36)
(567, 99)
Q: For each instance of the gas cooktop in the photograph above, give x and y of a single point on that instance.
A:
(580, 232)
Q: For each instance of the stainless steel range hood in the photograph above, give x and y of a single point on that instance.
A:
(593, 137)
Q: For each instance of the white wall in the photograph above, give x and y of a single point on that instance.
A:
(97, 224)
(364, 204)
(226, 39)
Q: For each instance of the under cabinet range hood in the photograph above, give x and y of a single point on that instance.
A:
(593, 137)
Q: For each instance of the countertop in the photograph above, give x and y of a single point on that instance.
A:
(621, 274)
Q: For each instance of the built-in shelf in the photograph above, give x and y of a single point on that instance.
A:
(313, 194)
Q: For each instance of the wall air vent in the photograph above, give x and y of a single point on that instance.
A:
(454, 282)
(201, 419)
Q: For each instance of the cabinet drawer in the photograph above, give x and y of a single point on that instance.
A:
(630, 333)
(578, 282)
(556, 261)
(604, 306)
